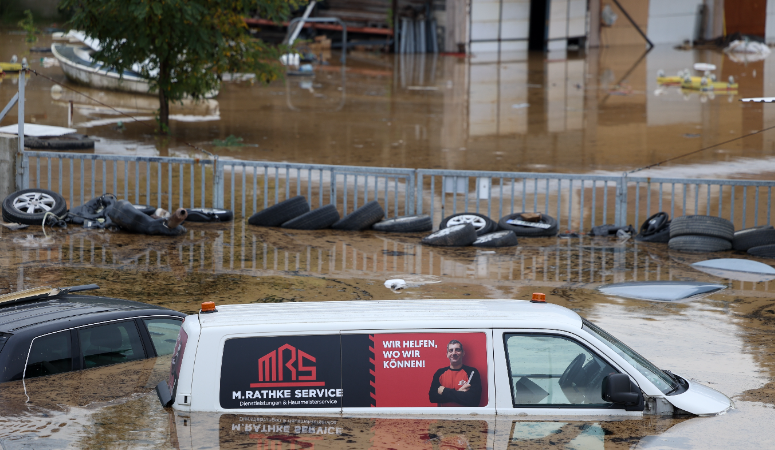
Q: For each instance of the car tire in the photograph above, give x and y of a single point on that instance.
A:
(764, 251)
(454, 236)
(524, 231)
(689, 243)
(209, 215)
(36, 202)
(753, 237)
(482, 224)
(278, 214)
(662, 236)
(503, 238)
(362, 218)
(127, 217)
(146, 209)
(317, 219)
(406, 224)
(710, 226)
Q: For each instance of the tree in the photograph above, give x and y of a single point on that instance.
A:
(185, 46)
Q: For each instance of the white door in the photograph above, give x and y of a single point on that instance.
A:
(551, 372)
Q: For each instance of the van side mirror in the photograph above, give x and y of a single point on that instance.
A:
(619, 389)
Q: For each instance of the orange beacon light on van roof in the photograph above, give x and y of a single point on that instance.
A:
(538, 298)
(208, 307)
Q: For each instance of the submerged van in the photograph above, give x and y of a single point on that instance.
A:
(417, 357)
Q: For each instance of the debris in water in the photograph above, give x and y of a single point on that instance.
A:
(395, 285)
(662, 291)
(737, 269)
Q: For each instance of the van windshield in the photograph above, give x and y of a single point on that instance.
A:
(661, 380)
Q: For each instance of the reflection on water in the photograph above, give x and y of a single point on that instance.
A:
(232, 263)
(196, 430)
(240, 249)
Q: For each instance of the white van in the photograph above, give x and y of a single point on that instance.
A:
(417, 357)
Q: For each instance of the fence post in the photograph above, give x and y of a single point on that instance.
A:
(218, 188)
(22, 178)
(620, 213)
(419, 191)
(410, 193)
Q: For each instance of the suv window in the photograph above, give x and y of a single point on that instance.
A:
(554, 370)
(50, 354)
(164, 334)
(111, 343)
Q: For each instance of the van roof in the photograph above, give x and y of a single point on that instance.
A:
(383, 314)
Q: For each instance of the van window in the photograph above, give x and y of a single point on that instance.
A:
(164, 333)
(554, 370)
(111, 343)
(49, 355)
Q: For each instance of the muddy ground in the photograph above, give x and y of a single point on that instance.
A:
(724, 340)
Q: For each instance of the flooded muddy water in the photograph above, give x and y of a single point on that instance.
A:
(600, 111)
(723, 340)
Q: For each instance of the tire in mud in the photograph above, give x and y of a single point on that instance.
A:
(764, 251)
(406, 224)
(362, 218)
(454, 236)
(503, 238)
(524, 231)
(209, 215)
(702, 226)
(278, 214)
(482, 224)
(753, 237)
(29, 206)
(699, 244)
(662, 236)
(317, 219)
(127, 217)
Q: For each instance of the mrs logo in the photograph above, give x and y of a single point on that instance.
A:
(271, 369)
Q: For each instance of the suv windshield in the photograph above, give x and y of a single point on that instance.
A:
(661, 380)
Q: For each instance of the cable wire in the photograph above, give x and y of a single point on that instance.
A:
(700, 150)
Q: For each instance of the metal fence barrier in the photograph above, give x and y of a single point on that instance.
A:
(497, 194)
(578, 202)
(266, 183)
(157, 181)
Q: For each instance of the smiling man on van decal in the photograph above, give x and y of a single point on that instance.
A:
(458, 384)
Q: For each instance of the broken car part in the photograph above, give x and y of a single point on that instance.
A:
(663, 291)
(505, 223)
(737, 269)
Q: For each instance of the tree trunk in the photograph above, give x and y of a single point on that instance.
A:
(164, 102)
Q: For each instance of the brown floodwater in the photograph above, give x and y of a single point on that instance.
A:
(723, 340)
(600, 112)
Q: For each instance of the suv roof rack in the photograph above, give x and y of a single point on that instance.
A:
(41, 293)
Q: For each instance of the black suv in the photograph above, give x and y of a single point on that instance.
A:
(49, 331)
